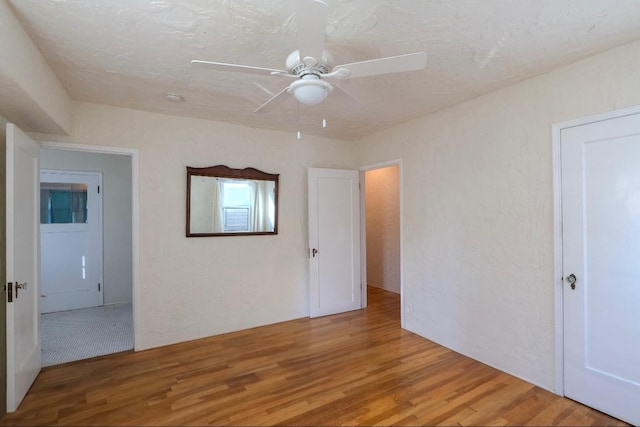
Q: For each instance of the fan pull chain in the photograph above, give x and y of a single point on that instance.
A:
(298, 134)
(324, 115)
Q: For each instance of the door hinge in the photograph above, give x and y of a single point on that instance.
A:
(10, 292)
(98, 189)
(98, 287)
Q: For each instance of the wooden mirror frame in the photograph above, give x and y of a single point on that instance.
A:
(223, 171)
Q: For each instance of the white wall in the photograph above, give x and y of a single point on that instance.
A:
(197, 287)
(478, 210)
(382, 201)
(116, 202)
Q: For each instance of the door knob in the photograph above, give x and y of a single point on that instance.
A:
(314, 251)
(22, 286)
(572, 280)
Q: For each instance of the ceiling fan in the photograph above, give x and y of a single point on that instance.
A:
(312, 66)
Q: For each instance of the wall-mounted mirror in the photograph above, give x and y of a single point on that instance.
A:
(222, 201)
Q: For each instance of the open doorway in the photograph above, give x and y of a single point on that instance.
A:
(75, 332)
(382, 216)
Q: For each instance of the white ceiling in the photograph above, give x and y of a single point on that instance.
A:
(130, 53)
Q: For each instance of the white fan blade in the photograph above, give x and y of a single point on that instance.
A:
(221, 66)
(311, 16)
(388, 65)
(353, 100)
(272, 101)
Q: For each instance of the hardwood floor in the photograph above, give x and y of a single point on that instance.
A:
(352, 368)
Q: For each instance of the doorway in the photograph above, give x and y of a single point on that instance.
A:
(381, 201)
(74, 333)
(338, 236)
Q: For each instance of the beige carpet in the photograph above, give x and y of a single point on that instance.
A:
(72, 335)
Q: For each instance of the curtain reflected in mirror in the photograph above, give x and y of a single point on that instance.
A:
(224, 201)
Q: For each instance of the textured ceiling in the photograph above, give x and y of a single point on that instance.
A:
(130, 53)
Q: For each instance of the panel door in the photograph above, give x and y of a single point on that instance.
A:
(23, 311)
(334, 240)
(601, 265)
(71, 240)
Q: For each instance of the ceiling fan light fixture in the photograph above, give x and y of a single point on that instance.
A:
(310, 91)
(311, 66)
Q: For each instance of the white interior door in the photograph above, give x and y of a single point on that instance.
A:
(71, 240)
(334, 240)
(23, 314)
(601, 249)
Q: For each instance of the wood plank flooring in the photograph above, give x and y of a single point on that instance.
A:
(353, 368)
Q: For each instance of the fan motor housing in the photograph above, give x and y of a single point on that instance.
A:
(296, 66)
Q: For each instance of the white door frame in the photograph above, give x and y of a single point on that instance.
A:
(557, 230)
(363, 232)
(135, 217)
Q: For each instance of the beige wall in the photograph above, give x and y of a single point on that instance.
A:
(478, 210)
(116, 206)
(382, 200)
(30, 93)
(197, 287)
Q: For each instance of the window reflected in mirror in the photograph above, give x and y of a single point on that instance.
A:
(236, 205)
